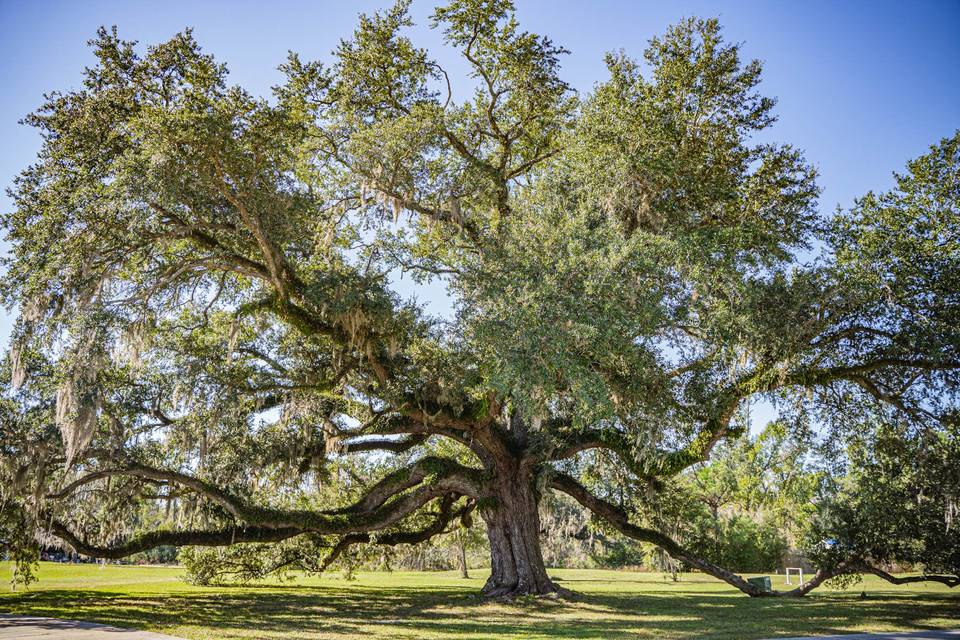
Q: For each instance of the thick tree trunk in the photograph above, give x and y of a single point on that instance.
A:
(513, 528)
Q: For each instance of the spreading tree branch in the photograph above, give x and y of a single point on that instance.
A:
(618, 518)
(439, 524)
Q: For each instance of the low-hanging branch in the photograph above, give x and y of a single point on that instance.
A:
(383, 505)
(618, 518)
(271, 531)
(946, 580)
(439, 525)
(153, 539)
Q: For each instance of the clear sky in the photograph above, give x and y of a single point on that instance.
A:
(862, 86)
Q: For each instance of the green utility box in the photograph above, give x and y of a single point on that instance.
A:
(763, 582)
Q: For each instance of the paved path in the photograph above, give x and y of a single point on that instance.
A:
(29, 627)
(912, 635)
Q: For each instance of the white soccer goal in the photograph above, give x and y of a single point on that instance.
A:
(798, 570)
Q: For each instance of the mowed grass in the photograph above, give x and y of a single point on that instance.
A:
(609, 605)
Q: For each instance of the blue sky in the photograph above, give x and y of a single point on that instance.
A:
(862, 86)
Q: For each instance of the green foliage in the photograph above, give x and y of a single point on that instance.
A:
(744, 545)
(897, 506)
(902, 249)
(209, 335)
(618, 554)
(248, 562)
(160, 555)
(17, 542)
(745, 508)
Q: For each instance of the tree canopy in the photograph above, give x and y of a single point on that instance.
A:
(209, 330)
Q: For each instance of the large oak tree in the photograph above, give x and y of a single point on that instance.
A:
(207, 318)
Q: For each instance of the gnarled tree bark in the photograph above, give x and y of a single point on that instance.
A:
(513, 529)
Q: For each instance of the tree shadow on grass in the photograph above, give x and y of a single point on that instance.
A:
(350, 611)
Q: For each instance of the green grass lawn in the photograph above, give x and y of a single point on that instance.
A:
(610, 604)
